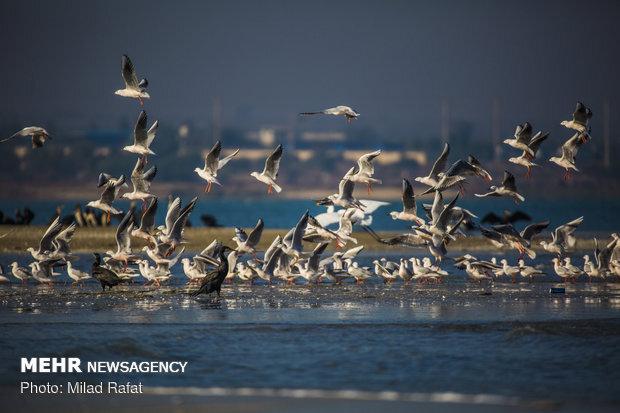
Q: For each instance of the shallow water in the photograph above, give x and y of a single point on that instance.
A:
(515, 340)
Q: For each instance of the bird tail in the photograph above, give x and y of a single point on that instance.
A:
(276, 187)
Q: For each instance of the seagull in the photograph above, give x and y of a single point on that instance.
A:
(21, 273)
(405, 240)
(293, 240)
(36, 133)
(576, 271)
(360, 274)
(580, 120)
(133, 89)
(409, 207)
(438, 168)
(317, 233)
(142, 138)
(404, 272)
(480, 270)
(507, 235)
(383, 272)
(522, 138)
(508, 188)
(214, 279)
(366, 170)
(123, 240)
(246, 244)
(458, 173)
(526, 157)
(41, 271)
(76, 275)
(62, 243)
(310, 271)
(147, 223)
(344, 198)
(511, 271)
(111, 188)
(528, 271)
(569, 151)
(174, 235)
(141, 182)
(46, 244)
(213, 163)
(105, 276)
(561, 271)
(341, 110)
(266, 272)
(562, 238)
(270, 172)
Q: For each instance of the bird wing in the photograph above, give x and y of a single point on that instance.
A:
(129, 73)
(525, 134)
(255, 234)
(364, 163)
(173, 213)
(509, 181)
(563, 233)
(22, 132)
(537, 140)
(179, 224)
(581, 114)
(140, 135)
(442, 221)
(298, 233)
(147, 222)
(241, 234)
(533, 229)
(460, 167)
(151, 133)
(123, 240)
(315, 258)
(52, 231)
(225, 160)
(408, 197)
(437, 207)
(147, 178)
(213, 157)
(440, 162)
(136, 174)
(272, 164)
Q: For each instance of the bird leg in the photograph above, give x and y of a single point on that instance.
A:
(141, 101)
(369, 188)
(529, 172)
(269, 189)
(208, 188)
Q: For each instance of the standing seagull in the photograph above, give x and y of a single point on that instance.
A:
(438, 168)
(38, 135)
(580, 120)
(341, 110)
(133, 89)
(366, 170)
(213, 163)
(569, 151)
(526, 157)
(141, 182)
(142, 138)
(270, 172)
(409, 208)
(508, 188)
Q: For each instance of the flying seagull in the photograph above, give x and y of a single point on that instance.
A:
(111, 188)
(580, 120)
(36, 133)
(409, 207)
(569, 151)
(341, 110)
(213, 163)
(458, 172)
(270, 172)
(438, 168)
(141, 182)
(507, 188)
(366, 170)
(522, 137)
(133, 88)
(142, 138)
(527, 157)
(562, 238)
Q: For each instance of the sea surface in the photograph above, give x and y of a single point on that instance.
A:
(512, 342)
(600, 213)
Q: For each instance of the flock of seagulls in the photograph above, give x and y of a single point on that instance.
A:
(300, 254)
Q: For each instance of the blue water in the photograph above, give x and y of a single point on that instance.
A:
(600, 214)
(506, 339)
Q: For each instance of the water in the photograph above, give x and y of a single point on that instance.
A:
(600, 215)
(511, 340)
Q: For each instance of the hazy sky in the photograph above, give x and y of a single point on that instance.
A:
(393, 61)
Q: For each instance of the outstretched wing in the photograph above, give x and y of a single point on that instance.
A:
(213, 157)
(140, 135)
(364, 163)
(509, 181)
(255, 234)
(129, 73)
(272, 164)
(408, 197)
(440, 163)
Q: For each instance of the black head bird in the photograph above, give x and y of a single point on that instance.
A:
(105, 276)
(214, 279)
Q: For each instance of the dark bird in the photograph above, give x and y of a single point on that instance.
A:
(507, 217)
(214, 279)
(105, 276)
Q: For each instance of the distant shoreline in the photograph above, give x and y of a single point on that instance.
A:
(91, 239)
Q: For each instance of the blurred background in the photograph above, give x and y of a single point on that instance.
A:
(420, 73)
